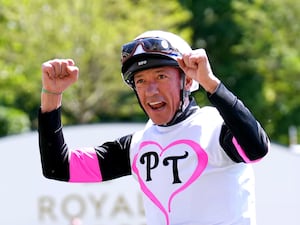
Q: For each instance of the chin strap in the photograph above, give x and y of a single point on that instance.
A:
(183, 95)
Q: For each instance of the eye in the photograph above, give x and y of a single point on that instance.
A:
(161, 76)
(139, 81)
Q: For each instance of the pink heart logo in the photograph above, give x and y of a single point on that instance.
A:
(201, 163)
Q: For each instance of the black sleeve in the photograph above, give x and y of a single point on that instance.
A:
(240, 124)
(53, 149)
(113, 157)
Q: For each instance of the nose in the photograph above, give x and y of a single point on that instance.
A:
(152, 89)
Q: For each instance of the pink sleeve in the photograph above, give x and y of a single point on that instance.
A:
(84, 166)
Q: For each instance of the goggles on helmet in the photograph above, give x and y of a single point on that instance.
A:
(151, 45)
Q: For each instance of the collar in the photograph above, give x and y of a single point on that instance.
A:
(181, 115)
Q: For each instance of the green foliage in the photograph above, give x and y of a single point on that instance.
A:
(90, 32)
(270, 41)
(253, 47)
(13, 121)
(217, 32)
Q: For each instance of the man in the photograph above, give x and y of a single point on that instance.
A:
(192, 163)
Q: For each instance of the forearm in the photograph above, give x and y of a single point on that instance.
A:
(53, 149)
(105, 162)
(242, 124)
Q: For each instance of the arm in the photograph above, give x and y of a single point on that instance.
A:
(105, 162)
(242, 138)
(57, 76)
(53, 149)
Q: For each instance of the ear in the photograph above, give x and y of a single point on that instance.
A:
(188, 83)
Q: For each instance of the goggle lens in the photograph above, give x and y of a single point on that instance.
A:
(149, 45)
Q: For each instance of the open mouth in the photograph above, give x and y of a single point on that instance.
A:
(156, 105)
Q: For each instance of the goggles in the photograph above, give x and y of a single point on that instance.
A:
(152, 44)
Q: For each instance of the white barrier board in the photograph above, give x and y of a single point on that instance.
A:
(27, 198)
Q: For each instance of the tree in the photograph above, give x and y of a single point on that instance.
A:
(14, 92)
(270, 41)
(216, 30)
(254, 48)
(90, 32)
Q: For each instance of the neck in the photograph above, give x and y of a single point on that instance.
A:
(183, 112)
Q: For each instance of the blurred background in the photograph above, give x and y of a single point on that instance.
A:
(253, 47)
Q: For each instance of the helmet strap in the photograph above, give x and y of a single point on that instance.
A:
(183, 93)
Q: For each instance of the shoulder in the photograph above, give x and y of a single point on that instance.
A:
(209, 113)
(208, 109)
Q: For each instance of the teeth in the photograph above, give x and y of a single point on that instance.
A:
(154, 103)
